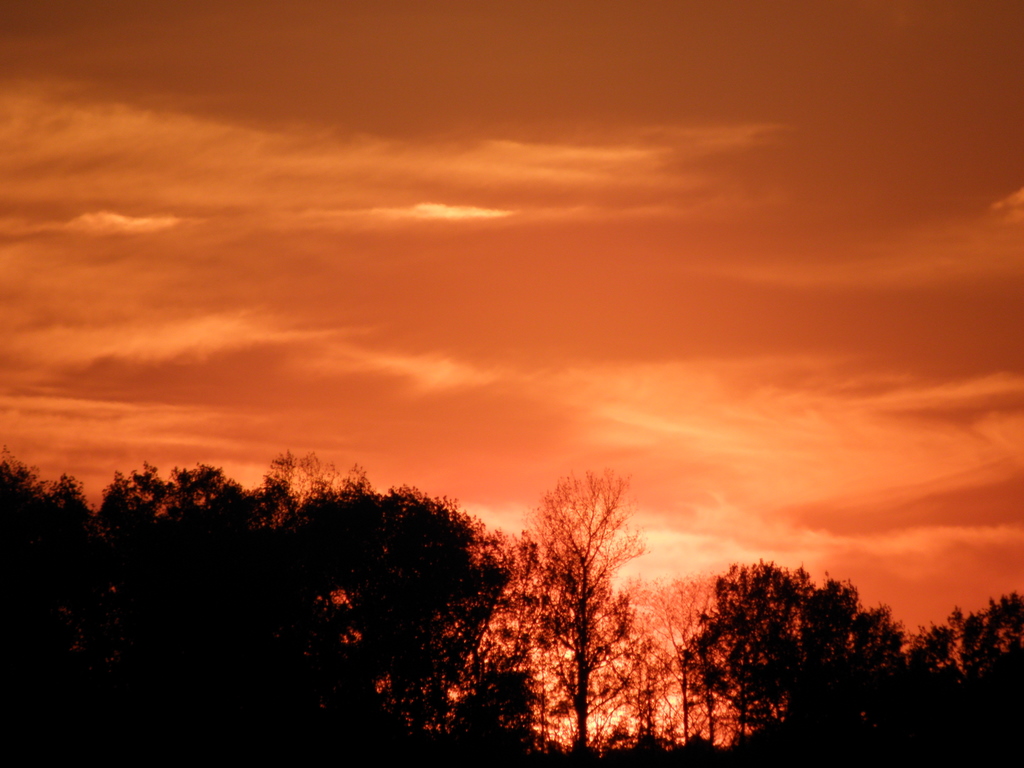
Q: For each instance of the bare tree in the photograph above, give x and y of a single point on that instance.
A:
(677, 609)
(583, 536)
(652, 708)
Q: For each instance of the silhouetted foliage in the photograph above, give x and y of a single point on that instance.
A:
(402, 602)
(47, 562)
(317, 610)
(967, 676)
(190, 599)
(791, 654)
(192, 602)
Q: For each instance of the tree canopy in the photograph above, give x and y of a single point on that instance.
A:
(394, 620)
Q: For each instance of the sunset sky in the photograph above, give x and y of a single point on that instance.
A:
(766, 258)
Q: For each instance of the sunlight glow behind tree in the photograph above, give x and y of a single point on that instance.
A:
(584, 537)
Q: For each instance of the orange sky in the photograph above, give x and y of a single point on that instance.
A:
(765, 258)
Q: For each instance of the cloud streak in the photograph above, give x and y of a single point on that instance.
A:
(108, 222)
(97, 156)
(190, 338)
(1012, 206)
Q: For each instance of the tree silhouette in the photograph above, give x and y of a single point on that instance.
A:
(674, 620)
(790, 653)
(315, 605)
(755, 624)
(966, 678)
(650, 705)
(193, 600)
(502, 702)
(398, 590)
(48, 571)
(581, 529)
(312, 597)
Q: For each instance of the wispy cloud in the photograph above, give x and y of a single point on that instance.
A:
(108, 222)
(94, 223)
(441, 211)
(412, 213)
(101, 436)
(143, 341)
(771, 444)
(428, 372)
(1012, 206)
(988, 245)
(753, 435)
(106, 158)
(750, 435)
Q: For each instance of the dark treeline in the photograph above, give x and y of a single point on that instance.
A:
(314, 610)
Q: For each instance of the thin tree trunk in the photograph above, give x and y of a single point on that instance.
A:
(580, 705)
(710, 703)
(686, 706)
